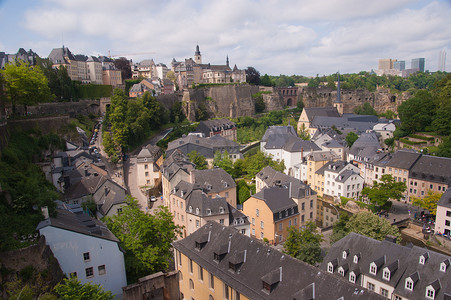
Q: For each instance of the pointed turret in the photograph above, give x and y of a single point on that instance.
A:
(197, 56)
(227, 61)
(338, 103)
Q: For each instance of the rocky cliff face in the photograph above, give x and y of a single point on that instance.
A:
(227, 101)
(382, 100)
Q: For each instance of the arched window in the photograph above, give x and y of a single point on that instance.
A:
(191, 284)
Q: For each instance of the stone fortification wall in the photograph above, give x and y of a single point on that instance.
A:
(45, 125)
(382, 100)
(169, 100)
(230, 101)
(83, 107)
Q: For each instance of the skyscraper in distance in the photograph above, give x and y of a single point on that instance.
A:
(399, 65)
(418, 63)
(441, 60)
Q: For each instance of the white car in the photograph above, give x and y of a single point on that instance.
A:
(153, 199)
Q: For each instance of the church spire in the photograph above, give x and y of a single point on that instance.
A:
(227, 61)
(197, 50)
(338, 100)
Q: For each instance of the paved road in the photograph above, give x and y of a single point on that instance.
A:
(130, 177)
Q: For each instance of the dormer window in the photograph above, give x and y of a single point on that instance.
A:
(423, 258)
(221, 209)
(352, 277)
(190, 209)
(332, 265)
(197, 210)
(409, 284)
(341, 271)
(444, 265)
(432, 288)
(430, 293)
(373, 269)
(208, 211)
(345, 254)
(356, 258)
(386, 275)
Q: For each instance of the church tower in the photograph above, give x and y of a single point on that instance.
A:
(197, 56)
(227, 61)
(338, 103)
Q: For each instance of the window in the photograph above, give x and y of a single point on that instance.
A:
(146, 167)
(303, 206)
(311, 203)
(289, 223)
(211, 281)
(422, 260)
(86, 256)
(370, 286)
(201, 273)
(147, 174)
(226, 291)
(262, 224)
(253, 221)
(352, 277)
(73, 274)
(430, 293)
(409, 284)
(311, 215)
(447, 222)
(257, 212)
(356, 259)
(243, 231)
(180, 258)
(262, 235)
(280, 238)
(191, 266)
(330, 268)
(280, 226)
(295, 221)
(386, 275)
(341, 272)
(345, 254)
(397, 298)
(237, 296)
(101, 270)
(221, 221)
(253, 231)
(89, 272)
(119, 210)
(197, 223)
(191, 284)
(373, 269)
(302, 219)
(227, 194)
(384, 292)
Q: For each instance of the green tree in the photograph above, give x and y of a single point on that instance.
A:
(429, 202)
(198, 159)
(25, 85)
(351, 137)
(243, 191)
(259, 103)
(266, 81)
(253, 164)
(339, 228)
(145, 238)
(303, 133)
(365, 109)
(252, 76)
(417, 113)
(370, 225)
(176, 114)
(72, 289)
(201, 113)
(304, 243)
(223, 161)
(381, 192)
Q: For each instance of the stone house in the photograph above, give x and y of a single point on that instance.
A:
(148, 163)
(443, 217)
(223, 127)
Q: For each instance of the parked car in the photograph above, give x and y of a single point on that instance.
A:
(153, 198)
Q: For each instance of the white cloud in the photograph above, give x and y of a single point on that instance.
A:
(292, 36)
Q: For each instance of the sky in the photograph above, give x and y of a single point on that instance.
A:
(302, 37)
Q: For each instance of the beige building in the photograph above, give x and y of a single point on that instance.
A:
(112, 77)
(301, 194)
(314, 162)
(148, 163)
(217, 262)
(94, 68)
(271, 212)
(309, 113)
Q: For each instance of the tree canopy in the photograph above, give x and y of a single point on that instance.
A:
(367, 224)
(252, 76)
(351, 137)
(304, 243)
(429, 202)
(26, 85)
(381, 192)
(145, 238)
(198, 159)
(72, 289)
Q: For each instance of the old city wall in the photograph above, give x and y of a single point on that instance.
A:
(45, 124)
(227, 101)
(382, 100)
(83, 107)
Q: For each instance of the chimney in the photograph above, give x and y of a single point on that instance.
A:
(45, 212)
(390, 238)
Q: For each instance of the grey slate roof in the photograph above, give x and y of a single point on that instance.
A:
(236, 217)
(276, 198)
(204, 146)
(445, 200)
(214, 126)
(403, 159)
(432, 168)
(213, 180)
(313, 112)
(149, 152)
(366, 146)
(389, 254)
(322, 155)
(296, 144)
(80, 223)
(278, 131)
(272, 177)
(207, 205)
(59, 55)
(332, 166)
(291, 278)
(175, 162)
(348, 121)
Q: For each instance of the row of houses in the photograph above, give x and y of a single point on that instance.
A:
(92, 69)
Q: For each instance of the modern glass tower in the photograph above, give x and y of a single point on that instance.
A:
(418, 63)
